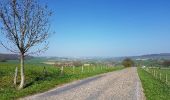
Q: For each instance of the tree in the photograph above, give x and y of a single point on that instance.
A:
(25, 29)
(166, 63)
(128, 62)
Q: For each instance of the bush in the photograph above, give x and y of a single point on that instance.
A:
(77, 63)
(166, 63)
(127, 62)
(3, 60)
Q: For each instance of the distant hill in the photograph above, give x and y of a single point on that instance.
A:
(154, 56)
(11, 57)
(157, 55)
(147, 56)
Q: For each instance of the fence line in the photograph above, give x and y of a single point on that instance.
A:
(82, 69)
(158, 75)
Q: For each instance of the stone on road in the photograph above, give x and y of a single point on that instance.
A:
(118, 85)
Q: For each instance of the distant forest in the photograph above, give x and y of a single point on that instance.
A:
(4, 57)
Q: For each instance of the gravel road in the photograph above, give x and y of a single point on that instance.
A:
(119, 85)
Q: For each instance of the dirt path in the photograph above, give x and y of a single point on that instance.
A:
(119, 85)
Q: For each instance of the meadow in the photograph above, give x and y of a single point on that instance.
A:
(154, 84)
(42, 77)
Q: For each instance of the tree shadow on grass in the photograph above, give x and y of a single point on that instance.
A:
(44, 77)
(36, 80)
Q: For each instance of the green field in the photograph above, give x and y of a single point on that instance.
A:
(162, 74)
(154, 88)
(38, 81)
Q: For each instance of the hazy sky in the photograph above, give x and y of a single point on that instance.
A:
(109, 27)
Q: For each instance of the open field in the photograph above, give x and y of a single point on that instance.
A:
(154, 88)
(38, 80)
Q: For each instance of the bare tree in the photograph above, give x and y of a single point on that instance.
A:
(25, 28)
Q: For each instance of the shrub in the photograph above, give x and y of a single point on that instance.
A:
(127, 62)
(3, 60)
(166, 63)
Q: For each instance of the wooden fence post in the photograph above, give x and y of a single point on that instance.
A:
(82, 69)
(45, 71)
(166, 78)
(93, 68)
(73, 69)
(160, 75)
(62, 69)
(156, 74)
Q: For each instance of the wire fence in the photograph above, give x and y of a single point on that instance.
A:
(162, 75)
(38, 73)
(82, 69)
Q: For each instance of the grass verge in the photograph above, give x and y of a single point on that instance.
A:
(154, 89)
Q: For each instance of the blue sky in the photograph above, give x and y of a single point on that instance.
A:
(109, 27)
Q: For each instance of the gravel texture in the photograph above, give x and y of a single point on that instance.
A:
(119, 85)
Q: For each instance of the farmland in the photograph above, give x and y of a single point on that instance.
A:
(41, 77)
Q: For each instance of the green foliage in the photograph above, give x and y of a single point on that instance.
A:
(38, 81)
(166, 63)
(3, 60)
(127, 62)
(154, 89)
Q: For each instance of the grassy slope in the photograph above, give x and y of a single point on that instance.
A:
(38, 82)
(153, 88)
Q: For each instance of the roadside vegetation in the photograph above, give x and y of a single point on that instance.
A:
(161, 74)
(154, 87)
(41, 77)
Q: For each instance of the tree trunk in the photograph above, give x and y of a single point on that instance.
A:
(15, 76)
(22, 72)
